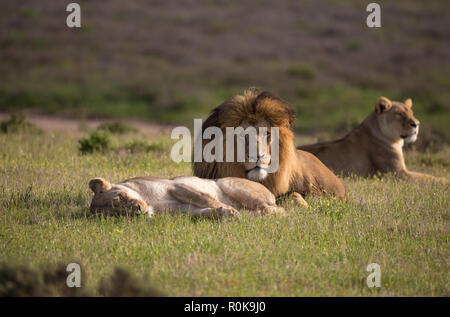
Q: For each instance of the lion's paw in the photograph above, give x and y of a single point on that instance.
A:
(299, 199)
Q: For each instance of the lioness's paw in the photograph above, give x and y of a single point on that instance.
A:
(150, 212)
(124, 201)
(227, 211)
(274, 210)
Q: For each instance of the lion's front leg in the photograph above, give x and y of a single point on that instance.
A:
(298, 199)
(294, 197)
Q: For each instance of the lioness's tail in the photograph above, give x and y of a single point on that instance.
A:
(99, 185)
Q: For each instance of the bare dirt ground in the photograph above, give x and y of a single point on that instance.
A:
(55, 123)
(66, 123)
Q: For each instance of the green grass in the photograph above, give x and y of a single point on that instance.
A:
(100, 140)
(345, 105)
(321, 250)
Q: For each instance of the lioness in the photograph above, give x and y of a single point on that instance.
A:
(190, 194)
(375, 145)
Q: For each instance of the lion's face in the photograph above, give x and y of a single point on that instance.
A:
(259, 110)
(396, 120)
(257, 163)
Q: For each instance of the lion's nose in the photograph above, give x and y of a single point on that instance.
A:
(261, 157)
(414, 124)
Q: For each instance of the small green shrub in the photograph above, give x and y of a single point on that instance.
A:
(18, 123)
(97, 141)
(117, 127)
(137, 146)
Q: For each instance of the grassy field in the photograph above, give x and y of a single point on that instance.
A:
(317, 251)
(169, 62)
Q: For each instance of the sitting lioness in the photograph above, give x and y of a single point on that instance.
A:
(190, 194)
(375, 145)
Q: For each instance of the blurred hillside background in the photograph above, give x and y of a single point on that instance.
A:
(170, 61)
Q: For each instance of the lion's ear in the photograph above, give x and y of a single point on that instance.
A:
(383, 104)
(408, 102)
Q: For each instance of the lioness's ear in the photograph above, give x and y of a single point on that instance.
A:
(383, 104)
(408, 102)
(99, 185)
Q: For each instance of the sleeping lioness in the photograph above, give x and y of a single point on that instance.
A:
(190, 194)
(375, 145)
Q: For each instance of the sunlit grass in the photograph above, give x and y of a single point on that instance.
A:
(320, 250)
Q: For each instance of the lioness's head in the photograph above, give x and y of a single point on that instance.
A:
(396, 120)
(255, 110)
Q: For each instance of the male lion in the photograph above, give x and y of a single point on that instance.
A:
(190, 194)
(375, 145)
(298, 172)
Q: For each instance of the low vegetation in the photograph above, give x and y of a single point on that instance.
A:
(97, 141)
(117, 127)
(18, 123)
(315, 251)
(23, 280)
(180, 64)
(104, 139)
(319, 56)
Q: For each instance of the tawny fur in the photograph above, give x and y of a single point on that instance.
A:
(375, 146)
(298, 171)
(189, 194)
